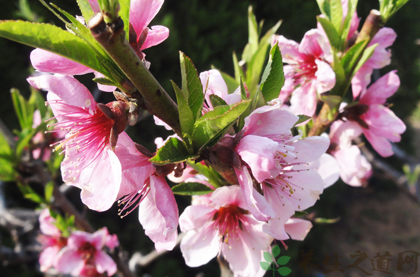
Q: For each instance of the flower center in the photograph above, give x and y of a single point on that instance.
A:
(87, 251)
(228, 220)
(305, 71)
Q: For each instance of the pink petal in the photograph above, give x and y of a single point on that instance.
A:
(99, 190)
(328, 168)
(69, 261)
(259, 153)
(159, 214)
(298, 228)
(289, 84)
(342, 133)
(383, 88)
(198, 248)
(269, 120)
(354, 168)
(136, 168)
(65, 88)
(156, 35)
(213, 83)
(77, 239)
(195, 217)
(48, 257)
(46, 224)
(98, 238)
(304, 99)
(310, 148)
(380, 144)
(104, 263)
(257, 204)
(142, 12)
(361, 80)
(325, 77)
(385, 37)
(46, 61)
(314, 44)
(289, 49)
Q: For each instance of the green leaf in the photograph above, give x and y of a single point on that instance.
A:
(336, 14)
(238, 70)
(283, 260)
(49, 188)
(104, 81)
(23, 109)
(215, 122)
(366, 56)
(7, 171)
(24, 138)
(275, 250)
(174, 151)
(191, 86)
(214, 178)
(124, 13)
(302, 118)
(353, 55)
(351, 8)
(191, 189)
(284, 271)
(268, 257)
(265, 265)
(186, 117)
(38, 101)
(331, 32)
(217, 101)
(53, 39)
(273, 77)
(30, 194)
(86, 9)
(324, 7)
(340, 76)
(253, 36)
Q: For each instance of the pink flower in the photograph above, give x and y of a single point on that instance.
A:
(141, 37)
(86, 249)
(278, 162)
(308, 71)
(225, 227)
(90, 162)
(328, 168)
(355, 170)
(298, 228)
(51, 240)
(378, 123)
(141, 186)
(380, 58)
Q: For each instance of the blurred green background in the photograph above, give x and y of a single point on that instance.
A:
(208, 32)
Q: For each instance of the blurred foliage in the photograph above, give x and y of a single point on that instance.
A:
(208, 32)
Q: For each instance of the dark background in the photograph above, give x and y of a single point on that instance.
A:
(208, 32)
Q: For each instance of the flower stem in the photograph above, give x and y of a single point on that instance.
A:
(156, 100)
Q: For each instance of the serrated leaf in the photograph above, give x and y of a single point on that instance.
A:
(340, 77)
(331, 32)
(191, 85)
(324, 7)
(275, 250)
(352, 56)
(30, 194)
(302, 118)
(214, 178)
(214, 122)
(265, 265)
(86, 9)
(53, 39)
(253, 36)
(284, 271)
(217, 101)
(336, 14)
(283, 260)
(174, 151)
(255, 67)
(273, 77)
(191, 189)
(186, 117)
(268, 257)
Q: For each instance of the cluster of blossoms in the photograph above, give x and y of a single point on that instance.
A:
(273, 171)
(80, 254)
